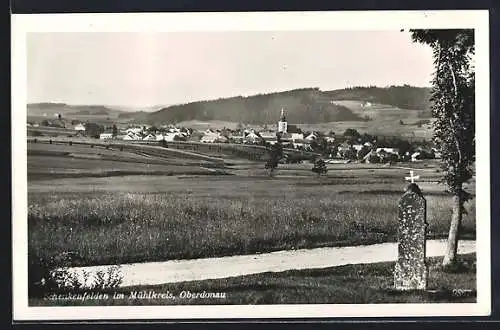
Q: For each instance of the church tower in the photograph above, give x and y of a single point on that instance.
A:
(282, 124)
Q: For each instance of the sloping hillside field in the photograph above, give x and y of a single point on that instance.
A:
(47, 161)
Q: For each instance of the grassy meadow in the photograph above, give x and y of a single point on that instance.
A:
(150, 218)
(61, 160)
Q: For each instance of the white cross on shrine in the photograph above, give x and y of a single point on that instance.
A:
(411, 177)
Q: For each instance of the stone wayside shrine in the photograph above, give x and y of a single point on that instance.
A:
(411, 271)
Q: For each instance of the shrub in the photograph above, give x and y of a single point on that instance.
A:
(320, 167)
(52, 275)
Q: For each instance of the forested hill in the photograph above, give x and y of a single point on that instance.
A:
(302, 105)
(308, 105)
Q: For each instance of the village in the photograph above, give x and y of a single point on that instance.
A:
(349, 145)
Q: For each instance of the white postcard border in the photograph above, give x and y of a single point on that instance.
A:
(310, 21)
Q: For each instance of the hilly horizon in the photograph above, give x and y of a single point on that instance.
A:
(303, 106)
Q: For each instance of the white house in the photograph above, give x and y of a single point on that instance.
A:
(209, 137)
(311, 137)
(297, 136)
(80, 127)
(174, 130)
(368, 144)
(300, 145)
(135, 130)
(150, 137)
(394, 151)
(415, 156)
(357, 147)
(105, 136)
(132, 137)
(252, 137)
(222, 138)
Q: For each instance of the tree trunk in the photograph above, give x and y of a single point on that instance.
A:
(456, 219)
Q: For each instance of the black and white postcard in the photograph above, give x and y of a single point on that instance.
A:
(250, 165)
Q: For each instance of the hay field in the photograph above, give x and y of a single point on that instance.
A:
(150, 218)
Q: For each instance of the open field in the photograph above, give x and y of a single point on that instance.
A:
(151, 218)
(349, 284)
(384, 120)
(216, 153)
(50, 131)
(62, 160)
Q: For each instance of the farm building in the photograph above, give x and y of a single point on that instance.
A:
(213, 138)
(106, 136)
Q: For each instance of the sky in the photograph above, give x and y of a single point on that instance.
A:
(149, 69)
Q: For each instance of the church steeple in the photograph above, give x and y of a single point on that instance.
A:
(282, 117)
(282, 124)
